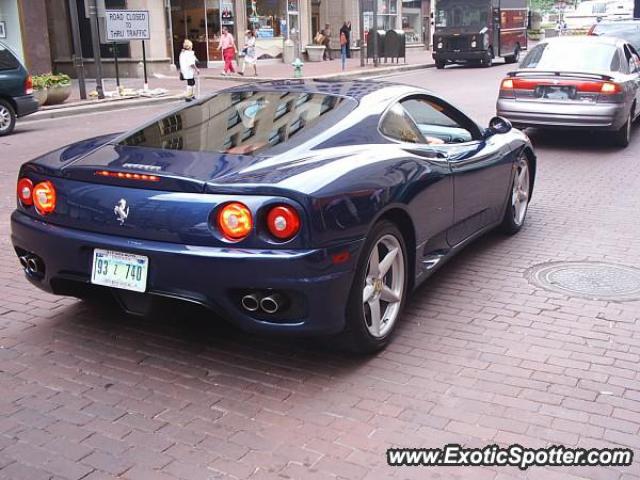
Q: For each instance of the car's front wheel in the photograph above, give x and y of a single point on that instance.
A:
(516, 210)
(378, 291)
(7, 118)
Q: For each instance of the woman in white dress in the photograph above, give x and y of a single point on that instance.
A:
(188, 68)
(250, 54)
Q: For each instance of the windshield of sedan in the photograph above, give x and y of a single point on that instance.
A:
(457, 13)
(243, 122)
(573, 57)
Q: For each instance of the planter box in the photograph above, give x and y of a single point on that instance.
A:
(40, 96)
(315, 52)
(58, 94)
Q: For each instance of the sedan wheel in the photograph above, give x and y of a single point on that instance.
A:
(378, 290)
(519, 199)
(622, 137)
(7, 118)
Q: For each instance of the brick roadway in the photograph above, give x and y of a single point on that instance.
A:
(481, 356)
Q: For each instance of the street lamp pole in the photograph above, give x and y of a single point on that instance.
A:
(95, 40)
(375, 33)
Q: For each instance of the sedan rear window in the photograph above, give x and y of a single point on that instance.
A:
(243, 122)
(7, 60)
(573, 57)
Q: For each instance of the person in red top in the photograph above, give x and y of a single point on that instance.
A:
(228, 48)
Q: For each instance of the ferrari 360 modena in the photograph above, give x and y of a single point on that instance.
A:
(306, 207)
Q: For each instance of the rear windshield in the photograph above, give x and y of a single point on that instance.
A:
(573, 57)
(243, 123)
(7, 60)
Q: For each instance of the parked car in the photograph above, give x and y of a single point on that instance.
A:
(289, 207)
(575, 82)
(628, 30)
(619, 10)
(16, 89)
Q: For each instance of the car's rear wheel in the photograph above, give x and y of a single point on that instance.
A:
(622, 137)
(516, 211)
(515, 58)
(7, 118)
(378, 291)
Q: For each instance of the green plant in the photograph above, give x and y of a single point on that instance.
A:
(47, 80)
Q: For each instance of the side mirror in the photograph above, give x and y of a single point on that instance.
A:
(498, 125)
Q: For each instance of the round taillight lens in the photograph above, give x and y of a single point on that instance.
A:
(25, 191)
(44, 197)
(283, 222)
(235, 221)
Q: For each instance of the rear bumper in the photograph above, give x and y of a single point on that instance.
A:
(214, 277)
(459, 57)
(575, 115)
(25, 105)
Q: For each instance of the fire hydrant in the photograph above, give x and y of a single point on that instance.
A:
(297, 68)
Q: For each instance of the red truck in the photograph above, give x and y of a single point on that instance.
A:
(478, 31)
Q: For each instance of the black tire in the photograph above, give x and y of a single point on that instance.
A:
(488, 61)
(510, 223)
(356, 336)
(515, 58)
(440, 64)
(7, 118)
(622, 137)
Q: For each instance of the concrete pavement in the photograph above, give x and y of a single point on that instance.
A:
(482, 355)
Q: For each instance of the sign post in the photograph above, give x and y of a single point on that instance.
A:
(95, 42)
(126, 25)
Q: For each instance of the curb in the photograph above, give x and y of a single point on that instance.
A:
(117, 104)
(96, 106)
(368, 73)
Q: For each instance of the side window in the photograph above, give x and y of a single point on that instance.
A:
(7, 60)
(633, 60)
(398, 125)
(438, 123)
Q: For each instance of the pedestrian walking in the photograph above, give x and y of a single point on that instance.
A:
(228, 48)
(343, 49)
(326, 34)
(249, 51)
(346, 29)
(188, 68)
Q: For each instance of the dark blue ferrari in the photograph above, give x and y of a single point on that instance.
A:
(311, 207)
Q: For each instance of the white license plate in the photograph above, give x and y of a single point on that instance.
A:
(119, 270)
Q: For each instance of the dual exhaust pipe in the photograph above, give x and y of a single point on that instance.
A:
(31, 264)
(270, 304)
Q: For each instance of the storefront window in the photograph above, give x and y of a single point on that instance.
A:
(269, 20)
(387, 14)
(412, 21)
(201, 21)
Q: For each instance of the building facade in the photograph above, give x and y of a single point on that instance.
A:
(40, 30)
(23, 27)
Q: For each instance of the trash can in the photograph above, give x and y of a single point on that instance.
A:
(289, 51)
(395, 45)
(378, 37)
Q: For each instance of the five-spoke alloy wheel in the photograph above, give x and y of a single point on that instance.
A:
(516, 211)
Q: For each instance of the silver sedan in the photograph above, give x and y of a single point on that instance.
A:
(575, 82)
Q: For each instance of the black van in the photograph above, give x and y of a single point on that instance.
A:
(16, 89)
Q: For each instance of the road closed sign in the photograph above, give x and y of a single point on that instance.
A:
(121, 25)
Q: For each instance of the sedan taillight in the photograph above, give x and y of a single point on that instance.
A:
(283, 222)
(25, 191)
(44, 197)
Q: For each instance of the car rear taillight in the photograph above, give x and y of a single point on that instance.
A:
(506, 88)
(28, 85)
(44, 197)
(25, 191)
(235, 221)
(509, 86)
(610, 88)
(283, 222)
